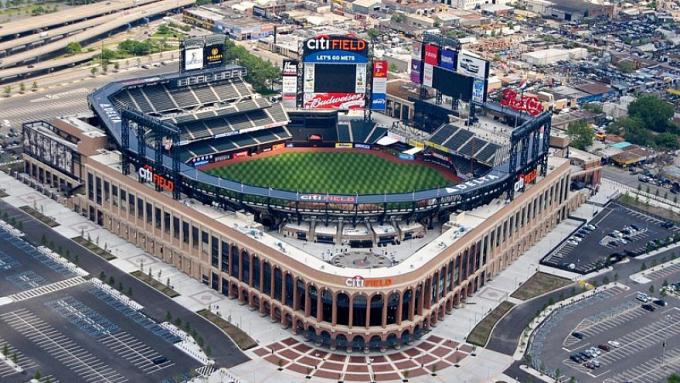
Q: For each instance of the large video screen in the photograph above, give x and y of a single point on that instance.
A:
(193, 58)
(334, 78)
(453, 84)
(48, 150)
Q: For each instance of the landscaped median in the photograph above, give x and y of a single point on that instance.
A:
(103, 253)
(49, 221)
(242, 340)
(154, 283)
(539, 284)
(480, 334)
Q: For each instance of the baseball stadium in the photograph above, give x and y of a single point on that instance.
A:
(348, 232)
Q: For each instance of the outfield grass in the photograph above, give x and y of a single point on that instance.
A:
(333, 172)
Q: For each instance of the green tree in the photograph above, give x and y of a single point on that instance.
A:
(373, 33)
(7, 90)
(34, 86)
(163, 29)
(651, 289)
(73, 47)
(626, 66)
(581, 134)
(398, 17)
(667, 140)
(653, 112)
(593, 107)
(674, 378)
(37, 375)
(93, 71)
(22, 87)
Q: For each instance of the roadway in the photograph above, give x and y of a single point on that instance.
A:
(69, 95)
(89, 34)
(623, 176)
(66, 16)
(224, 351)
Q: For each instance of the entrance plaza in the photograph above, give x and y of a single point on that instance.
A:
(281, 356)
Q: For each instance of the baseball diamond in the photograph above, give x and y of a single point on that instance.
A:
(335, 171)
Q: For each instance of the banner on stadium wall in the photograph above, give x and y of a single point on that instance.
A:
(343, 145)
(448, 59)
(408, 157)
(243, 153)
(416, 71)
(193, 58)
(334, 101)
(308, 79)
(278, 146)
(360, 81)
(417, 51)
(431, 54)
(379, 89)
(472, 66)
(289, 83)
(362, 146)
(428, 74)
(479, 91)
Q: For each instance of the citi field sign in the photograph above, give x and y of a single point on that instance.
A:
(332, 49)
(147, 174)
(359, 281)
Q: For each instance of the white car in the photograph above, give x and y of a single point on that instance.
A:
(614, 343)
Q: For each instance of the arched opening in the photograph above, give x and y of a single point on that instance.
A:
(277, 314)
(392, 307)
(376, 310)
(278, 284)
(244, 295)
(406, 304)
(327, 305)
(287, 320)
(289, 290)
(359, 310)
(300, 295)
(375, 344)
(342, 304)
(310, 334)
(245, 265)
(313, 296)
(341, 341)
(418, 332)
(391, 340)
(266, 308)
(256, 272)
(255, 302)
(405, 337)
(299, 327)
(325, 339)
(419, 290)
(267, 279)
(358, 343)
(235, 262)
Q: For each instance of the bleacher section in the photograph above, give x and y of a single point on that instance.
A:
(161, 98)
(241, 141)
(343, 133)
(464, 142)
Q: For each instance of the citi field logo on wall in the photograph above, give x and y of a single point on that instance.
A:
(359, 281)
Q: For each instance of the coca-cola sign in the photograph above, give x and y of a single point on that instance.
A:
(334, 101)
(521, 103)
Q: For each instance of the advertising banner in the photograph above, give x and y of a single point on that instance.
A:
(343, 145)
(380, 68)
(405, 156)
(479, 91)
(521, 103)
(472, 66)
(213, 56)
(417, 51)
(193, 58)
(379, 102)
(428, 74)
(290, 68)
(416, 71)
(431, 54)
(289, 85)
(342, 101)
(360, 79)
(449, 59)
(309, 78)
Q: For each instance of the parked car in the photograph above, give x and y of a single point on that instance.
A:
(578, 335)
(614, 343)
(649, 307)
(660, 302)
(604, 347)
(642, 297)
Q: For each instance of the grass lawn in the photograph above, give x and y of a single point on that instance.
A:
(539, 284)
(241, 338)
(333, 172)
(155, 284)
(480, 334)
(40, 216)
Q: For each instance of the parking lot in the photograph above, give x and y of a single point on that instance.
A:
(616, 231)
(73, 330)
(612, 338)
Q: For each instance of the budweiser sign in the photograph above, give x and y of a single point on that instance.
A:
(334, 101)
(521, 103)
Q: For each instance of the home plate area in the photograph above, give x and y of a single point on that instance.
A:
(429, 356)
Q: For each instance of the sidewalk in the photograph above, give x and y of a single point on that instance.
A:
(193, 295)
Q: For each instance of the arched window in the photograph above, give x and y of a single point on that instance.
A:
(245, 265)
(408, 295)
(342, 303)
(327, 305)
(234, 262)
(267, 279)
(289, 290)
(359, 311)
(313, 296)
(278, 284)
(376, 310)
(256, 272)
(301, 295)
(392, 307)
